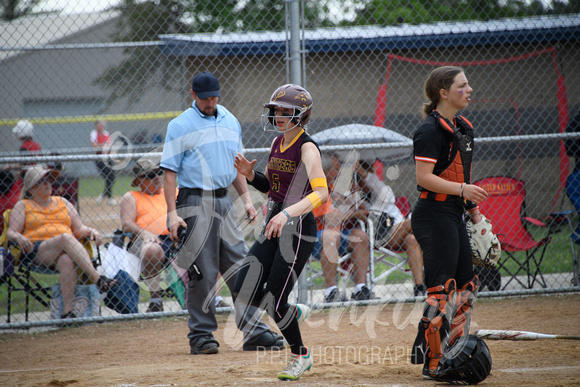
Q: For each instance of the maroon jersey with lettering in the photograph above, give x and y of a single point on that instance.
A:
(288, 177)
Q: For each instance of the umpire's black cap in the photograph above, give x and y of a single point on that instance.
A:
(206, 85)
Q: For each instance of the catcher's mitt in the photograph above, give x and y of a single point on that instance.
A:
(485, 247)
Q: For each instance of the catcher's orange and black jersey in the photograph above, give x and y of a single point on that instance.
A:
(288, 178)
(448, 146)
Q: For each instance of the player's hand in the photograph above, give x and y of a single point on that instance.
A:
(275, 226)
(251, 213)
(474, 193)
(244, 166)
(174, 223)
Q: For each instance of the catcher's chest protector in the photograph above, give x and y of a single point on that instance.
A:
(458, 169)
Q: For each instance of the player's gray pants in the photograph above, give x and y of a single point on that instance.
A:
(215, 243)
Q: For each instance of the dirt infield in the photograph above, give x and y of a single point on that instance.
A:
(353, 346)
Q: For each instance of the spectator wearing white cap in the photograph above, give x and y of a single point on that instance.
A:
(24, 132)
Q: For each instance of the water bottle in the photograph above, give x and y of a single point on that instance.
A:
(2, 255)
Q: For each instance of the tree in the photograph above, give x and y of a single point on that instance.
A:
(147, 20)
(12, 9)
(393, 12)
(569, 6)
(142, 21)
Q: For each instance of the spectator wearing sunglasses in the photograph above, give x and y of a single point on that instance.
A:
(144, 215)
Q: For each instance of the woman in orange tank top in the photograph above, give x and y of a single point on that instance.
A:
(144, 214)
(47, 229)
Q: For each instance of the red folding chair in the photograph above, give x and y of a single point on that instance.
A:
(505, 208)
(403, 205)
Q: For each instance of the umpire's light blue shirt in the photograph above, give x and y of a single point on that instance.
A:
(201, 149)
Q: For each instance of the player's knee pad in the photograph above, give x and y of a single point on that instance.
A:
(465, 299)
(435, 325)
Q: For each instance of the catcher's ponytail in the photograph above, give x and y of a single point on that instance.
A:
(428, 107)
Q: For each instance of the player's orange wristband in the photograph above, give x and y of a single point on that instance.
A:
(314, 199)
(318, 182)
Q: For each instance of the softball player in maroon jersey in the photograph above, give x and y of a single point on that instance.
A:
(296, 184)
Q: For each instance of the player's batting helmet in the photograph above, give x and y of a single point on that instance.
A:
(291, 97)
(467, 361)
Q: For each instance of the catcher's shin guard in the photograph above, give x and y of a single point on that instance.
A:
(434, 326)
(464, 300)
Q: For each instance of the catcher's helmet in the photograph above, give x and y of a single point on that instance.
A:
(467, 361)
(23, 129)
(291, 97)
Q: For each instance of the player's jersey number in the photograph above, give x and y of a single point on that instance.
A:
(275, 182)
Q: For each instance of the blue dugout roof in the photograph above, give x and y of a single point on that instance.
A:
(556, 28)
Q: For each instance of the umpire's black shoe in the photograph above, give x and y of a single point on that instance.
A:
(267, 341)
(363, 294)
(206, 345)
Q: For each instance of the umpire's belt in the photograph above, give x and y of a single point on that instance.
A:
(218, 193)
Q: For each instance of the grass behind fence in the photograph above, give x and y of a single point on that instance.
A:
(93, 186)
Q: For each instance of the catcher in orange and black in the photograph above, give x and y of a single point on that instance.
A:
(443, 150)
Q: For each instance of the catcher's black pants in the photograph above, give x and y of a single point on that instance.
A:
(441, 233)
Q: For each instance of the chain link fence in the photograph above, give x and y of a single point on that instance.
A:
(130, 64)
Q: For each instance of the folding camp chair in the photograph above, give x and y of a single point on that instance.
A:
(393, 260)
(505, 208)
(175, 280)
(20, 278)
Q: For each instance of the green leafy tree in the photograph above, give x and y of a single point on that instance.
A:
(147, 20)
(563, 7)
(13, 9)
(393, 12)
(142, 21)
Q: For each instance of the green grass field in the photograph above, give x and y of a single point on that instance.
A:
(93, 186)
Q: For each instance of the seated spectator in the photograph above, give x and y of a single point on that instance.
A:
(392, 230)
(144, 214)
(335, 239)
(47, 229)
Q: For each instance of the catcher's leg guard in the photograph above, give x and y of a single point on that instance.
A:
(465, 299)
(434, 327)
